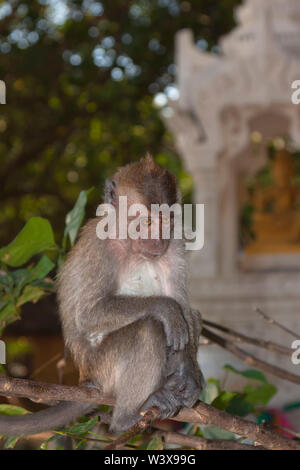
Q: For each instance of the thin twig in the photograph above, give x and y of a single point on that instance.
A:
(249, 358)
(271, 320)
(200, 443)
(45, 365)
(148, 417)
(287, 430)
(79, 438)
(241, 338)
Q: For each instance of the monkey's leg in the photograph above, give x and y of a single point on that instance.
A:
(136, 357)
(187, 381)
(181, 387)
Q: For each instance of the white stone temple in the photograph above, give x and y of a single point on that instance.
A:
(225, 99)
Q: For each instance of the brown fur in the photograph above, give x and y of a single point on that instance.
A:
(141, 347)
(130, 363)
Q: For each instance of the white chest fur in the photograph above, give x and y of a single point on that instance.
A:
(145, 279)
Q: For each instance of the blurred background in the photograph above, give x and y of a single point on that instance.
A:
(203, 85)
(85, 82)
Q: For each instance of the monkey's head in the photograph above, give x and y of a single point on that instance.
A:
(145, 182)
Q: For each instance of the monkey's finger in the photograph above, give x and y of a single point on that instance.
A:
(171, 341)
(174, 341)
(184, 340)
(176, 344)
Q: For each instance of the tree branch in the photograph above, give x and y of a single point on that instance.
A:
(41, 391)
(200, 414)
(249, 358)
(271, 320)
(200, 443)
(241, 338)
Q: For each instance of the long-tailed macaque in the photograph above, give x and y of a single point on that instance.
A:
(125, 314)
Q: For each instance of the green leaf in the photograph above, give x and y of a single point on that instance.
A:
(210, 392)
(32, 275)
(249, 373)
(12, 410)
(46, 284)
(82, 428)
(156, 444)
(18, 347)
(21, 278)
(19, 274)
(81, 444)
(5, 280)
(30, 294)
(43, 268)
(3, 303)
(75, 217)
(11, 442)
(239, 406)
(261, 395)
(213, 432)
(44, 444)
(222, 400)
(7, 283)
(198, 432)
(8, 314)
(135, 439)
(35, 237)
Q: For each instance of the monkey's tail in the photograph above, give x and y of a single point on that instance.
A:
(49, 419)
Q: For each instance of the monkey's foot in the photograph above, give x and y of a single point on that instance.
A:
(191, 393)
(185, 386)
(123, 419)
(165, 400)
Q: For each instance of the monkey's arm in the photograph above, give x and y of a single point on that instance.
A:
(180, 294)
(117, 311)
(89, 304)
(192, 316)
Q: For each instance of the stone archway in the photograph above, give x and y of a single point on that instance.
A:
(268, 123)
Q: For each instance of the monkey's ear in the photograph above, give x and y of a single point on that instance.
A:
(110, 192)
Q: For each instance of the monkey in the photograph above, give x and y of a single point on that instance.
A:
(125, 313)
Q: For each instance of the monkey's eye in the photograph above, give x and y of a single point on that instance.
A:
(147, 221)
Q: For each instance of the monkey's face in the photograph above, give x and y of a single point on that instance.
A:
(155, 232)
(145, 184)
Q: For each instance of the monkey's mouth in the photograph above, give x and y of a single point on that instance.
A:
(153, 254)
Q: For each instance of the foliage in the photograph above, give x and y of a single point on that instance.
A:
(80, 79)
(250, 399)
(30, 282)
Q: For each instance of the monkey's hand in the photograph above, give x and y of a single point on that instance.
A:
(169, 312)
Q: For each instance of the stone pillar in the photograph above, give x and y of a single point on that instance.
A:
(228, 218)
(205, 262)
